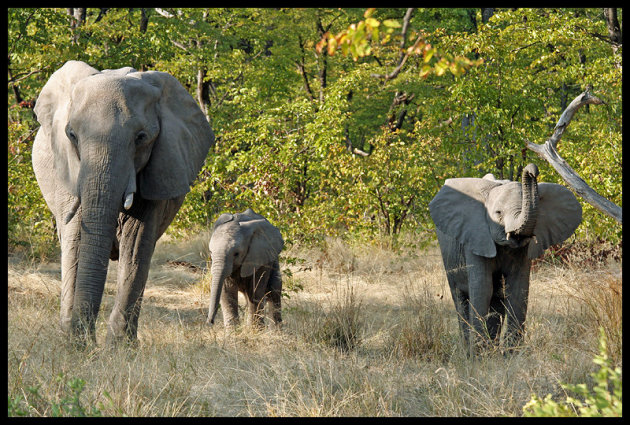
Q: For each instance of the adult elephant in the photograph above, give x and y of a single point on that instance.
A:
(244, 248)
(114, 157)
(489, 231)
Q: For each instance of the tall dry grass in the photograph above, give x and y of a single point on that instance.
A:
(372, 333)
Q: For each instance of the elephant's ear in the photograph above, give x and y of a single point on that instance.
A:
(265, 245)
(559, 214)
(52, 109)
(248, 215)
(223, 218)
(182, 145)
(459, 211)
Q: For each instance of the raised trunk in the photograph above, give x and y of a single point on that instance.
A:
(219, 273)
(529, 210)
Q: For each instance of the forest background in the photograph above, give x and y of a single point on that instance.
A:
(327, 138)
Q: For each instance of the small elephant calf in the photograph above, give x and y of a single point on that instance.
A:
(244, 249)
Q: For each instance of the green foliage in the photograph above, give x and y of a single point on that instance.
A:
(68, 404)
(604, 399)
(30, 226)
(321, 143)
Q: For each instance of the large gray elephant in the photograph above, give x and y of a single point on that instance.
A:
(244, 249)
(114, 157)
(489, 231)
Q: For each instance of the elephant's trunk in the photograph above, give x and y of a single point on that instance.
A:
(529, 210)
(101, 191)
(220, 271)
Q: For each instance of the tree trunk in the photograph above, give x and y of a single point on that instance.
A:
(324, 67)
(486, 14)
(78, 17)
(614, 29)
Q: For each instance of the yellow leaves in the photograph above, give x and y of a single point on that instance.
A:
(357, 40)
(390, 23)
(354, 40)
(372, 22)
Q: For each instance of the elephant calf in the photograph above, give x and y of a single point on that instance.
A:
(244, 249)
(489, 231)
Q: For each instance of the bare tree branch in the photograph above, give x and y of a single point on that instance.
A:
(404, 55)
(164, 13)
(548, 152)
(302, 70)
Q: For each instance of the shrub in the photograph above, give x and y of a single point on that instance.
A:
(69, 404)
(30, 227)
(600, 401)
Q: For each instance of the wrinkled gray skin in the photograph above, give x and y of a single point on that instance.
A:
(114, 157)
(489, 231)
(244, 249)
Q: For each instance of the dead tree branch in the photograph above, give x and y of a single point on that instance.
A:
(404, 55)
(548, 151)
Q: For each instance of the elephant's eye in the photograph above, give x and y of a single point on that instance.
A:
(236, 254)
(141, 138)
(70, 134)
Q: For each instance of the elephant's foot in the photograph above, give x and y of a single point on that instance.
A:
(121, 332)
(81, 332)
(121, 340)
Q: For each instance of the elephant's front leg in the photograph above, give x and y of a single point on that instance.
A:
(496, 314)
(275, 294)
(69, 238)
(517, 292)
(462, 306)
(480, 294)
(138, 232)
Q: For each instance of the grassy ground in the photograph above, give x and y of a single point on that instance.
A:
(366, 332)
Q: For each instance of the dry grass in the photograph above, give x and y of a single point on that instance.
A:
(370, 334)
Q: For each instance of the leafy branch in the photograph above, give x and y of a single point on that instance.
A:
(358, 40)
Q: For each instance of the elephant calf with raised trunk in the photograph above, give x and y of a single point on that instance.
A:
(114, 157)
(489, 231)
(244, 249)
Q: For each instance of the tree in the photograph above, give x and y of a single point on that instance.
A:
(344, 121)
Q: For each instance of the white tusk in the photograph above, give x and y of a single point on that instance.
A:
(128, 201)
(507, 236)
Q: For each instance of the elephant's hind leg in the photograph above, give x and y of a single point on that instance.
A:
(257, 297)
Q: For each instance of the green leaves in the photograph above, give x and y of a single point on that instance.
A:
(357, 40)
(328, 120)
(605, 398)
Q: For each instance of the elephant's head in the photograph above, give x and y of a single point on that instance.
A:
(480, 213)
(244, 241)
(116, 135)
